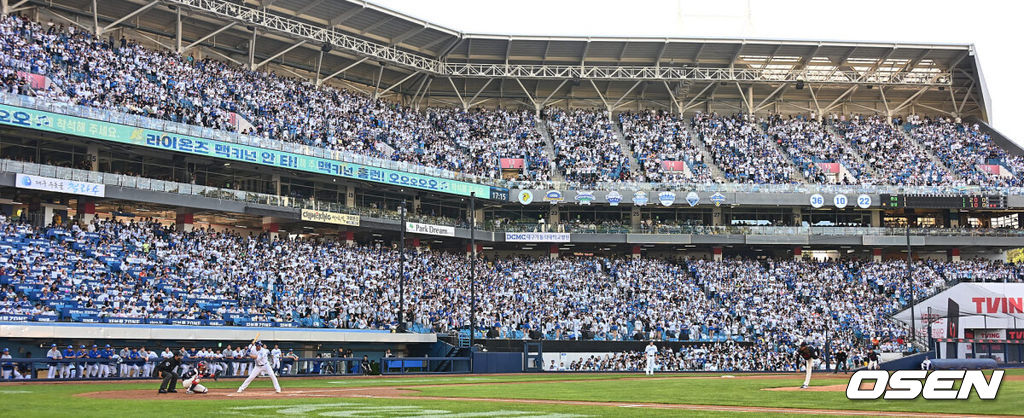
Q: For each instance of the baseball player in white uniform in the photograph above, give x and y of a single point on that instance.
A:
(275, 356)
(152, 358)
(261, 364)
(6, 366)
(53, 354)
(651, 351)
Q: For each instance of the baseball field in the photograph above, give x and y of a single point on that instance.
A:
(522, 395)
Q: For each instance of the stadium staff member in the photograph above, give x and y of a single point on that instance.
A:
(841, 357)
(808, 354)
(166, 370)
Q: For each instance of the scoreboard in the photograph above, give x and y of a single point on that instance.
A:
(894, 201)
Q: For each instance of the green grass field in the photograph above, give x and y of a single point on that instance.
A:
(334, 397)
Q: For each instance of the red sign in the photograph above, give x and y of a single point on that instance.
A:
(672, 166)
(829, 167)
(1015, 334)
(512, 163)
(989, 168)
(996, 305)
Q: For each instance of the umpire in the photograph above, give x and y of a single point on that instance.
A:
(166, 369)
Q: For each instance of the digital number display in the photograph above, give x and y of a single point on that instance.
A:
(944, 202)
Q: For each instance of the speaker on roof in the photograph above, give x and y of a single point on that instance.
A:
(799, 84)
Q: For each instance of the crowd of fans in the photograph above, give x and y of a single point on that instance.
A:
(657, 137)
(586, 149)
(963, 148)
(890, 154)
(144, 270)
(810, 143)
(741, 150)
(122, 75)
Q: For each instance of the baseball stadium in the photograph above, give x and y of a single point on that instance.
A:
(338, 208)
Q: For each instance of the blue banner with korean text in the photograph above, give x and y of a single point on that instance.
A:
(107, 131)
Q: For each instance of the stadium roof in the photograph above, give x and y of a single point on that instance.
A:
(384, 52)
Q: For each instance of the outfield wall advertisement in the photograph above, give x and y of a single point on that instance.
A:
(106, 131)
(980, 306)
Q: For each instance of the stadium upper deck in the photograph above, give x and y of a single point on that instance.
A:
(389, 61)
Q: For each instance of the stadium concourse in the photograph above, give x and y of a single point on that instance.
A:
(179, 197)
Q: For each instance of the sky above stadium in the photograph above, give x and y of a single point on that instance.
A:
(995, 27)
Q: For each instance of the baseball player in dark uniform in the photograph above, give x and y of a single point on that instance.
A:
(807, 354)
(190, 380)
(167, 369)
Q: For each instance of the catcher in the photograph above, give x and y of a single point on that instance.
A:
(190, 380)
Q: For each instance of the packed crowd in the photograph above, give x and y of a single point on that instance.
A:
(586, 149)
(892, 157)
(809, 143)
(144, 270)
(659, 137)
(741, 150)
(122, 75)
(964, 149)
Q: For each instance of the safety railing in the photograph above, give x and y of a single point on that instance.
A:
(504, 226)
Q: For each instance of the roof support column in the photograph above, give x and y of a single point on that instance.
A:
(472, 101)
(536, 106)
(411, 75)
(177, 30)
(841, 96)
(426, 88)
(676, 105)
(319, 65)
(280, 53)
(600, 96)
(457, 94)
(910, 100)
(208, 36)
(380, 76)
(251, 63)
(616, 105)
(885, 102)
(96, 19)
(100, 31)
(346, 68)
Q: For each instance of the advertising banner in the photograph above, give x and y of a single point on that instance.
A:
(537, 237)
(27, 181)
(106, 131)
(442, 230)
(330, 217)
